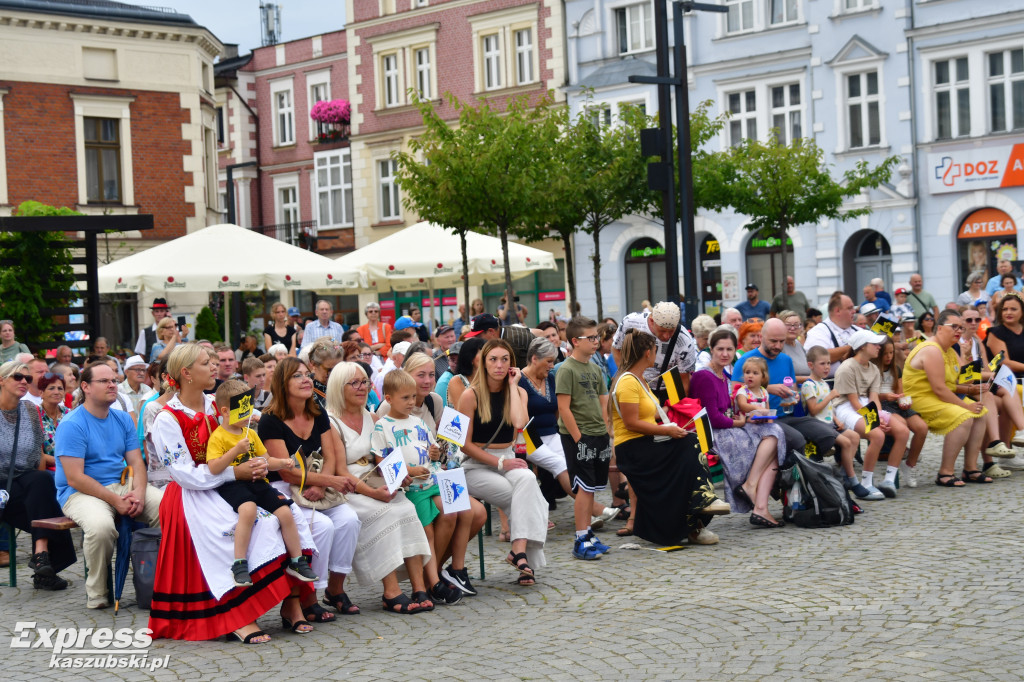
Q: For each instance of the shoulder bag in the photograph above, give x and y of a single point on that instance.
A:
(14, 455)
(315, 464)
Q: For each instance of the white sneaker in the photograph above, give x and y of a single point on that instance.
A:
(1018, 439)
(908, 475)
(608, 514)
(704, 537)
(1016, 462)
(1000, 450)
(888, 488)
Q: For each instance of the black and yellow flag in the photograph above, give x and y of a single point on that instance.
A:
(970, 373)
(241, 406)
(810, 449)
(870, 414)
(532, 438)
(702, 426)
(300, 464)
(673, 385)
(997, 359)
(884, 325)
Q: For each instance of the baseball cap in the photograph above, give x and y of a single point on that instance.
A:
(135, 361)
(666, 315)
(899, 291)
(293, 312)
(482, 323)
(402, 348)
(869, 308)
(404, 322)
(455, 348)
(443, 329)
(864, 336)
(752, 286)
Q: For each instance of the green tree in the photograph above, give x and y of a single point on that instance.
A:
(207, 327)
(36, 275)
(781, 186)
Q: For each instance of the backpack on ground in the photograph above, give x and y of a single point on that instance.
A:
(145, 549)
(816, 497)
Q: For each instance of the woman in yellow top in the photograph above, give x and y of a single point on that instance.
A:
(929, 377)
(666, 470)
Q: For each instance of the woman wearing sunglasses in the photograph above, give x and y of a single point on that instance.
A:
(27, 491)
(926, 325)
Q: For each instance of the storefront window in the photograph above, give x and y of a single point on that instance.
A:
(764, 263)
(985, 236)
(645, 274)
(711, 275)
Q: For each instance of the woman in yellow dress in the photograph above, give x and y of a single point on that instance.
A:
(929, 377)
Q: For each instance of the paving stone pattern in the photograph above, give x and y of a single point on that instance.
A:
(924, 587)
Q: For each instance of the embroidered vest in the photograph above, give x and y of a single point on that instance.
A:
(197, 431)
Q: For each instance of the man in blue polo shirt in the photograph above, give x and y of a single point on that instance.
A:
(93, 443)
(753, 307)
(798, 430)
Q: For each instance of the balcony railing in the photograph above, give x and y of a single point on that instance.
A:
(301, 234)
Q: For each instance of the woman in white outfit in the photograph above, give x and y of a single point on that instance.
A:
(496, 406)
(391, 533)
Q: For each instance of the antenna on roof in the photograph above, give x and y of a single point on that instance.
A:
(270, 18)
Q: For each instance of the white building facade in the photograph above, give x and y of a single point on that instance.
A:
(931, 82)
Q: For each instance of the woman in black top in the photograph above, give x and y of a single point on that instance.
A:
(279, 331)
(496, 406)
(1008, 334)
(293, 420)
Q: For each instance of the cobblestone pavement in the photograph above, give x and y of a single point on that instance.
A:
(921, 587)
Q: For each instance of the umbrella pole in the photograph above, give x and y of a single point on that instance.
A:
(227, 317)
(430, 322)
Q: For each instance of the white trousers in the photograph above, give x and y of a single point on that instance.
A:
(549, 456)
(335, 533)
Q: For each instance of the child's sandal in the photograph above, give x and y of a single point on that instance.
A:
(406, 605)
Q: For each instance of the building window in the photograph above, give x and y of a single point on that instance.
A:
(782, 11)
(423, 72)
(492, 62)
(862, 107)
(390, 202)
(524, 56)
(285, 117)
(952, 99)
(319, 92)
(334, 188)
(740, 16)
(102, 160)
(600, 115)
(786, 112)
(635, 27)
(743, 118)
(1006, 90)
(389, 67)
(288, 205)
(222, 128)
(854, 5)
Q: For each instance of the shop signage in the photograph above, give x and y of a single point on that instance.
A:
(711, 246)
(971, 169)
(447, 300)
(987, 222)
(647, 252)
(769, 242)
(545, 296)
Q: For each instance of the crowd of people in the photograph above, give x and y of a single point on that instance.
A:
(569, 408)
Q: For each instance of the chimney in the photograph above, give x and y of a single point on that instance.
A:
(230, 51)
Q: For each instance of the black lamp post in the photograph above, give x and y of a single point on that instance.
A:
(658, 142)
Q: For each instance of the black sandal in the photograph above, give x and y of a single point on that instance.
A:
(526, 575)
(741, 494)
(420, 597)
(976, 477)
(248, 638)
(762, 522)
(315, 613)
(406, 606)
(948, 481)
(341, 603)
(299, 626)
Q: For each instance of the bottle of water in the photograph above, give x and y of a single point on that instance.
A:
(788, 403)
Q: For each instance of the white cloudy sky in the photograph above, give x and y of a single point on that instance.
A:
(238, 21)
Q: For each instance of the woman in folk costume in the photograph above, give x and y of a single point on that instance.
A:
(194, 596)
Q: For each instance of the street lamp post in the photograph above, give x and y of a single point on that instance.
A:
(685, 208)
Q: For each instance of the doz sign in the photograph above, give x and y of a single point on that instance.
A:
(971, 169)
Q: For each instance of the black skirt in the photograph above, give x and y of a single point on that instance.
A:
(672, 484)
(34, 496)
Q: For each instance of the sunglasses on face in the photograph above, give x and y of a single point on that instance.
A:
(18, 376)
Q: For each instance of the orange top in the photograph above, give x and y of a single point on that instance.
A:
(383, 335)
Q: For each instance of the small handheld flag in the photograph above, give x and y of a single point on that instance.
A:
(970, 373)
(300, 464)
(241, 406)
(532, 438)
(702, 425)
(870, 414)
(673, 385)
(884, 325)
(997, 359)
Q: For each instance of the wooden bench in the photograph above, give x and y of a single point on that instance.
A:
(56, 523)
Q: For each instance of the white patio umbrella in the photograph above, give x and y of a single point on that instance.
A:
(428, 256)
(225, 258)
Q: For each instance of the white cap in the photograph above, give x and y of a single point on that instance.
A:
(666, 315)
(401, 348)
(135, 361)
(863, 336)
(869, 308)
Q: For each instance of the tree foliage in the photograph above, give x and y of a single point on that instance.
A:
(207, 327)
(36, 275)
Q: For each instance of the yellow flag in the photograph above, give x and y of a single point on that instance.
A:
(241, 406)
(870, 414)
(673, 385)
